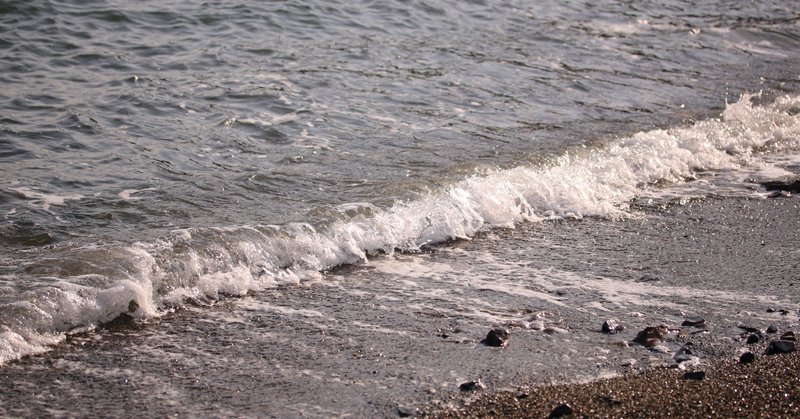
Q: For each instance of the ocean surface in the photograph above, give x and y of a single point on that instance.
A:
(304, 158)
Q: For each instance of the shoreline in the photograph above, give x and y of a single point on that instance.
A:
(397, 337)
(767, 387)
(738, 244)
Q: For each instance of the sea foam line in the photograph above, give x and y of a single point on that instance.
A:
(199, 264)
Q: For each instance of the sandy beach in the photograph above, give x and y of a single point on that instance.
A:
(768, 387)
(735, 244)
(260, 356)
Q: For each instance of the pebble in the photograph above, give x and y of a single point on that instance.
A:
(753, 338)
(472, 386)
(772, 329)
(747, 358)
(562, 410)
(648, 278)
(780, 347)
(497, 338)
(789, 336)
(694, 375)
(694, 322)
(650, 336)
(406, 411)
(611, 327)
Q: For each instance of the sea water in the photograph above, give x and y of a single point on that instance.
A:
(156, 157)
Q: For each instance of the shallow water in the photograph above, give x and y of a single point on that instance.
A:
(178, 155)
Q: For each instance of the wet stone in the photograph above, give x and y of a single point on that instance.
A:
(694, 375)
(753, 338)
(123, 321)
(772, 329)
(611, 327)
(789, 184)
(497, 338)
(562, 410)
(694, 322)
(406, 411)
(780, 347)
(648, 278)
(472, 386)
(747, 358)
(650, 336)
(789, 336)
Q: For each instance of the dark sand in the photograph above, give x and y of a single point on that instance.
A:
(728, 244)
(768, 387)
(379, 349)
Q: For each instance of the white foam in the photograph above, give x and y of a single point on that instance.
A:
(44, 200)
(204, 262)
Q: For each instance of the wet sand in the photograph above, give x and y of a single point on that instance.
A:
(745, 244)
(367, 341)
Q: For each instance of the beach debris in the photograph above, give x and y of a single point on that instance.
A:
(651, 336)
(563, 409)
(611, 326)
(497, 338)
(472, 386)
(772, 329)
(780, 347)
(753, 338)
(694, 322)
(747, 358)
(789, 336)
(694, 375)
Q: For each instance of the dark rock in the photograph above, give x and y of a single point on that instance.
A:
(684, 353)
(133, 306)
(771, 310)
(784, 312)
(747, 357)
(780, 347)
(787, 184)
(650, 336)
(123, 321)
(789, 336)
(472, 386)
(694, 321)
(772, 329)
(753, 338)
(497, 338)
(406, 411)
(648, 278)
(611, 327)
(694, 375)
(562, 410)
